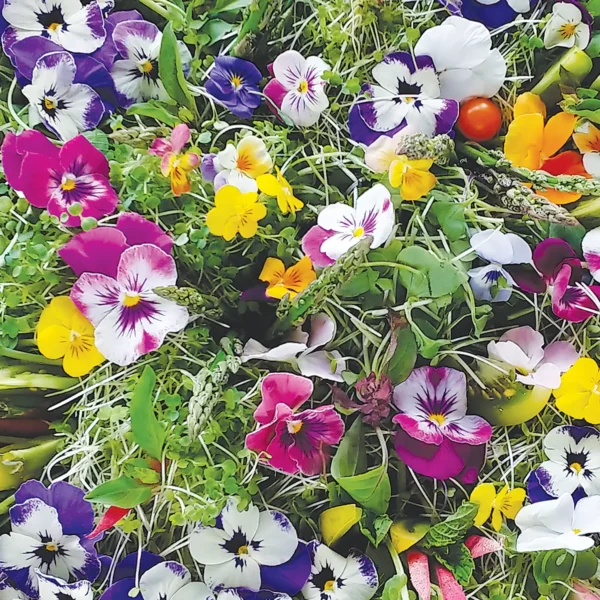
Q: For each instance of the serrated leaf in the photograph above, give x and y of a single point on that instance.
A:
(171, 71)
(375, 528)
(457, 559)
(122, 492)
(453, 529)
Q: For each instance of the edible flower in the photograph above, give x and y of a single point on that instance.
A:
(570, 25)
(63, 332)
(579, 394)
(175, 164)
(282, 281)
(506, 502)
(235, 212)
(278, 186)
(492, 14)
(412, 177)
(587, 140)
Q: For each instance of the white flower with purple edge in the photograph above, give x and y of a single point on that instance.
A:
(570, 25)
(340, 227)
(334, 577)
(130, 319)
(53, 588)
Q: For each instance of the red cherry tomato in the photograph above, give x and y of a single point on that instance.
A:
(479, 119)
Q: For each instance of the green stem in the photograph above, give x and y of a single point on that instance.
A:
(6, 504)
(27, 357)
(399, 568)
(43, 381)
(157, 8)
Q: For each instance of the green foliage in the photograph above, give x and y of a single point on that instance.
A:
(375, 527)
(457, 559)
(393, 587)
(401, 355)
(453, 529)
(123, 492)
(554, 566)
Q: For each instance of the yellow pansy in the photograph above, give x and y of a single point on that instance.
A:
(177, 167)
(63, 332)
(281, 189)
(337, 521)
(284, 281)
(234, 213)
(412, 177)
(579, 393)
(506, 502)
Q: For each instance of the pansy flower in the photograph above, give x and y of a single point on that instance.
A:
(412, 177)
(65, 107)
(573, 465)
(244, 545)
(54, 588)
(287, 282)
(587, 140)
(130, 318)
(558, 524)
(494, 282)
(233, 83)
(407, 94)
(340, 227)
(505, 503)
(290, 441)
(579, 393)
(176, 164)
(278, 186)
(297, 89)
(570, 25)
(433, 406)
(302, 350)
(492, 13)
(333, 577)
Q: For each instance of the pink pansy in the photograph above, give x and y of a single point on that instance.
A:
(99, 250)
(297, 89)
(130, 319)
(340, 227)
(591, 251)
(77, 174)
(523, 349)
(289, 441)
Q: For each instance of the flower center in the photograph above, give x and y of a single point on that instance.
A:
(295, 426)
(576, 531)
(437, 418)
(236, 82)
(243, 550)
(68, 184)
(51, 547)
(131, 299)
(329, 585)
(146, 67)
(243, 162)
(568, 30)
(50, 104)
(576, 467)
(359, 232)
(53, 26)
(510, 392)
(303, 87)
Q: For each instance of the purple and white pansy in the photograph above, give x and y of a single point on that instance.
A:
(570, 25)
(130, 318)
(492, 13)
(53, 588)
(340, 227)
(333, 577)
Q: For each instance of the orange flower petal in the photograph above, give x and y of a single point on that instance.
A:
(273, 271)
(529, 103)
(557, 132)
(557, 197)
(565, 163)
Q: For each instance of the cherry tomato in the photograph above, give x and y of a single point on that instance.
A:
(479, 119)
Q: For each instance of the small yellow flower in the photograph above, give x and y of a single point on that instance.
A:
(284, 281)
(235, 213)
(579, 393)
(63, 332)
(412, 177)
(505, 502)
(281, 189)
(177, 167)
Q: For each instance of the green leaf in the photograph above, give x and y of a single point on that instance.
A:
(453, 529)
(401, 355)
(351, 455)
(230, 5)
(359, 284)
(573, 234)
(563, 565)
(154, 109)
(593, 49)
(98, 139)
(148, 432)
(375, 527)
(451, 218)
(457, 559)
(393, 587)
(593, 7)
(122, 492)
(586, 93)
(215, 29)
(171, 71)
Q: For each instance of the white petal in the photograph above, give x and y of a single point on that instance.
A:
(560, 354)
(513, 355)
(526, 339)
(591, 251)
(375, 214)
(319, 364)
(461, 84)
(568, 11)
(208, 546)
(591, 163)
(545, 375)
(289, 68)
(52, 588)
(193, 591)
(22, 13)
(360, 579)
(128, 79)
(243, 572)
(561, 479)
(587, 515)
(163, 581)
(275, 540)
(381, 153)
(241, 181)
(521, 251)
(338, 217)
(322, 330)
(287, 352)
(37, 520)
(245, 521)
(227, 159)
(338, 244)
(304, 109)
(387, 112)
(492, 72)
(18, 552)
(553, 33)
(493, 246)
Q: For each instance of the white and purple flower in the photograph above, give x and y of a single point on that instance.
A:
(53, 588)
(492, 13)
(340, 227)
(130, 319)
(570, 25)
(333, 577)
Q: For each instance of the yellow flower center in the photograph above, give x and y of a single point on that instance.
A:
(236, 81)
(51, 547)
(242, 550)
(567, 30)
(131, 300)
(244, 162)
(576, 531)
(329, 585)
(49, 104)
(53, 26)
(295, 426)
(510, 392)
(359, 232)
(146, 67)
(576, 467)
(68, 185)
(439, 419)
(303, 87)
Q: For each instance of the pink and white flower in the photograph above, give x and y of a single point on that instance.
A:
(340, 227)
(297, 89)
(130, 319)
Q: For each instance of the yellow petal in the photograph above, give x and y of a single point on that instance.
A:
(248, 229)
(231, 228)
(279, 291)
(227, 195)
(253, 158)
(496, 520)
(60, 311)
(337, 521)
(217, 220)
(529, 103)
(396, 172)
(513, 503)
(180, 184)
(484, 495)
(592, 410)
(524, 141)
(268, 184)
(300, 275)
(273, 271)
(80, 360)
(407, 532)
(53, 341)
(287, 202)
(557, 132)
(416, 184)
(557, 197)
(421, 164)
(573, 404)
(584, 375)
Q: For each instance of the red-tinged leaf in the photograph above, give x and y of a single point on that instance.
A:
(450, 588)
(479, 545)
(418, 569)
(111, 517)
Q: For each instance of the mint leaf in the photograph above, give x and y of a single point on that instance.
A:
(453, 529)
(457, 559)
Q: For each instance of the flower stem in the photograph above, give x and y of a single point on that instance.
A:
(6, 504)
(399, 568)
(27, 357)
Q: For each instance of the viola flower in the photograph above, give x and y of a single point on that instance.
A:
(522, 348)
(332, 576)
(494, 282)
(63, 332)
(578, 395)
(412, 177)
(302, 351)
(463, 57)
(65, 107)
(590, 246)
(587, 140)
(68, 23)
(492, 14)
(237, 551)
(287, 282)
(570, 25)
(433, 405)
(48, 537)
(278, 186)
(289, 441)
(506, 502)
(136, 74)
(130, 319)
(99, 250)
(233, 83)
(386, 149)
(558, 524)
(242, 165)
(53, 588)
(175, 164)
(408, 94)
(297, 89)
(340, 227)
(235, 213)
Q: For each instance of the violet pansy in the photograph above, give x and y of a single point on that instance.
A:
(53, 588)
(340, 227)
(492, 13)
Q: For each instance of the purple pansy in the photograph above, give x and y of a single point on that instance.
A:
(54, 588)
(233, 83)
(48, 536)
(130, 318)
(492, 14)
(407, 95)
(433, 405)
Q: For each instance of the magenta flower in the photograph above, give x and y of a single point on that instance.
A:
(433, 407)
(99, 250)
(288, 441)
(129, 317)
